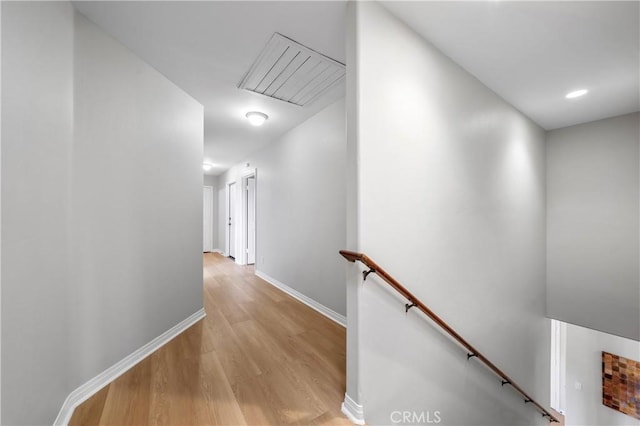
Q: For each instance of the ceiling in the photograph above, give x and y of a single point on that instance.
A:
(533, 53)
(529, 53)
(206, 48)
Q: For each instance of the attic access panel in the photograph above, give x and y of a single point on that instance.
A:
(291, 72)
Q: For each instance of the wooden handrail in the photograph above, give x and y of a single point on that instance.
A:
(352, 256)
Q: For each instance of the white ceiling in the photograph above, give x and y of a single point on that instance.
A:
(533, 53)
(207, 47)
(529, 53)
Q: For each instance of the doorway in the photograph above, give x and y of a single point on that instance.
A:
(250, 231)
(207, 219)
(231, 220)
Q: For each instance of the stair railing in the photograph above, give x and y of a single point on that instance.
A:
(413, 301)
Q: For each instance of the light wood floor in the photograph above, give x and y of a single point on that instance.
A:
(260, 357)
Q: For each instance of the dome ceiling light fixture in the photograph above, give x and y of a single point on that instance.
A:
(257, 118)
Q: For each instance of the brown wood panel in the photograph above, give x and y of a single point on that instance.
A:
(259, 357)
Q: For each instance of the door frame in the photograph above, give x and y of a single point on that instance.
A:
(240, 213)
(211, 224)
(245, 215)
(228, 202)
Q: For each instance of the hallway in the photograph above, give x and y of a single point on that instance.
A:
(259, 357)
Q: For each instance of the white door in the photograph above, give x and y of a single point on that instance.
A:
(231, 221)
(207, 218)
(251, 220)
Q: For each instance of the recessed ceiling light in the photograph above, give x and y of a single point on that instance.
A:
(207, 166)
(576, 93)
(257, 118)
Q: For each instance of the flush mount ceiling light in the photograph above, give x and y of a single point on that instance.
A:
(207, 166)
(576, 93)
(257, 118)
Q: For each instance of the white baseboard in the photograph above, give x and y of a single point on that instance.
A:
(91, 387)
(217, 251)
(353, 410)
(329, 313)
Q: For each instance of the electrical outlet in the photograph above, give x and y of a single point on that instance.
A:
(578, 386)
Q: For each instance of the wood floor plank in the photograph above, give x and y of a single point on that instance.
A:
(259, 346)
(219, 400)
(258, 403)
(90, 412)
(129, 397)
(296, 402)
(334, 418)
(260, 357)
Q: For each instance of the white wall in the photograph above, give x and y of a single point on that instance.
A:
(451, 201)
(137, 203)
(584, 365)
(209, 180)
(37, 131)
(300, 207)
(593, 228)
(101, 206)
(354, 287)
(0, 214)
(212, 181)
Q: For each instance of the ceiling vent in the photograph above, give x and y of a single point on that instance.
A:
(291, 72)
